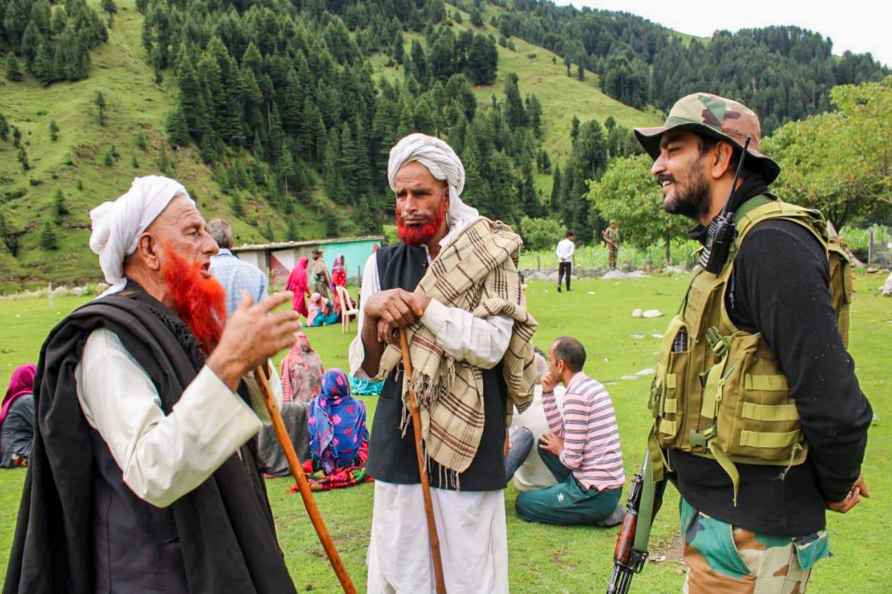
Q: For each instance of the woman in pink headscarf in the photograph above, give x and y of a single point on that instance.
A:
(17, 417)
(297, 284)
(338, 279)
(301, 372)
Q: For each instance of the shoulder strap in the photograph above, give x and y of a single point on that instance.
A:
(762, 208)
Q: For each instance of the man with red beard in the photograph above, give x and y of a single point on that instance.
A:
(452, 284)
(141, 477)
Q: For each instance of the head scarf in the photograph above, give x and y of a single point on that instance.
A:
(297, 283)
(301, 372)
(21, 383)
(336, 423)
(117, 225)
(442, 162)
(338, 273)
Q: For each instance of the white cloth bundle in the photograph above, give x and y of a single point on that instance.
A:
(117, 225)
(444, 165)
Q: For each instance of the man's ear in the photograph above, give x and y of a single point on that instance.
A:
(148, 250)
(721, 160)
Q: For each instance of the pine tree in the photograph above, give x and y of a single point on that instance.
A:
(482, 60)
(23, 159)
(177, 128)
(291, 230)
(235, 205)
(60, 209)
(111, 9)
(54, 131)
(48, 237)
(399, 48)
(420, 68)
(13, 68)
(99, 101)
(268, 231)
(514, 110)
(556, 190)
(32, 39)
(534, 115)
(42, 67)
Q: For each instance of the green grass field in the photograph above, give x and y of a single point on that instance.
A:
(547, 559)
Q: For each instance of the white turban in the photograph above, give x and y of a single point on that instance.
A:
(117, 225)
(444, 165)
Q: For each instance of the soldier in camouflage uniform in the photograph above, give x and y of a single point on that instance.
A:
(752, 501)
(610, 235)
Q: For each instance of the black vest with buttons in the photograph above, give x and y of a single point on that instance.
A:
(392, 454)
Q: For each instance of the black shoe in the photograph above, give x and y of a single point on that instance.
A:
(614, 519)
(559, 289)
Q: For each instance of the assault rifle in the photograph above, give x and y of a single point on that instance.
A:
(630, 553)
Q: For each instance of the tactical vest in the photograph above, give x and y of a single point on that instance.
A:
(718, 390)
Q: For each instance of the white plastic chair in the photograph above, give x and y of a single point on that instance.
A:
(348, 308)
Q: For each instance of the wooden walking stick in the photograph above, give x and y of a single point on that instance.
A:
(297, 471)
(412, 403)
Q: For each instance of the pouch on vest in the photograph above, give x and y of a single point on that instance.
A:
(724, 395)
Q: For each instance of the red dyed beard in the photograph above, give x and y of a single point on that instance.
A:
(420, 234)
(198, 300)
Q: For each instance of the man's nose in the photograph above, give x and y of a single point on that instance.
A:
(210, 246)
(659, 165)
(410, 204)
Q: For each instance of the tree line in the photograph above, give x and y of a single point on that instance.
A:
(839, 162)
(783, 73)
(52, 42)
(282, 98)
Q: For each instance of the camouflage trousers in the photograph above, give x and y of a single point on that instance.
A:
(722, 559)
(611, 257)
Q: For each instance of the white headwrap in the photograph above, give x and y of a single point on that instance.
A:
(444, 165)
(117, 225)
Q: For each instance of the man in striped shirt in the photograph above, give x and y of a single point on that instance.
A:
(582, 450)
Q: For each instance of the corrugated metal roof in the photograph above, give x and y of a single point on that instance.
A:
(283, 245)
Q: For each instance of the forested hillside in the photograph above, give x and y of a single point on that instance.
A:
(279, 115)
(783, 73)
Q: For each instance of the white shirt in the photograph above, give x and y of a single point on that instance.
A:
(565, 249)
(470, 525)
(163, 457)
(482, 342)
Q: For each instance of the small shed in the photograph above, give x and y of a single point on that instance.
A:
(277, 259)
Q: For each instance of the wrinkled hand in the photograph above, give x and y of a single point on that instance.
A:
(551, 443)
(253, 334)
(549, 381)
(858, 490)
(396, 308)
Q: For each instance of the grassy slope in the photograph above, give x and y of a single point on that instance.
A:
(545, 558)
(120, 71)
(135, 103)
(542, 73)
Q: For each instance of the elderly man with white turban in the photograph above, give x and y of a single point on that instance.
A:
(452, 283)
(140, 478)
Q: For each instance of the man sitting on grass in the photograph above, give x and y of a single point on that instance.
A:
(582, 450)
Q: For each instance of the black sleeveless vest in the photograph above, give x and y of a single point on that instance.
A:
(391, 455)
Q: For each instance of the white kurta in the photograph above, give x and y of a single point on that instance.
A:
(470, 524)
(163, 457)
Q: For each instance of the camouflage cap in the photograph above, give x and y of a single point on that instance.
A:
(718, 118)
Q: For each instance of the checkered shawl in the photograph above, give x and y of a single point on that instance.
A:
(477, 272)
